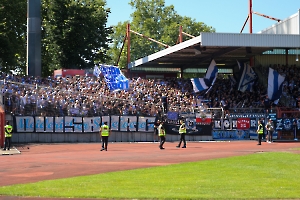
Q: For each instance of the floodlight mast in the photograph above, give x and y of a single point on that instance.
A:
(33, 60)
(249, 17)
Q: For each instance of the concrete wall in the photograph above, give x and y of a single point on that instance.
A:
(94, 137)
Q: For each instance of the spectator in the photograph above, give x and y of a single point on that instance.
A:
(267, 104)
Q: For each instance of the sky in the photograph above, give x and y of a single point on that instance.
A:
(226, 16)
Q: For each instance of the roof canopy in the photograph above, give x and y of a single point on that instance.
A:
(225, 48)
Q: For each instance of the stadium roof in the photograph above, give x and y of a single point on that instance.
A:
(225, 48)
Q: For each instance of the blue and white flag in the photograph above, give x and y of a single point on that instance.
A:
(200, 84)
(97, 71)
(232, 80)
(275, 81)
(212, 72)
(247, 77)
(114, 78)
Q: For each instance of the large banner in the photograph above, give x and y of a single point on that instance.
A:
(37, 124)
(232, 134)
(235, 123)
(239, 127)
(244, 126)
(194, 125)
(287, 124)
(203, 130)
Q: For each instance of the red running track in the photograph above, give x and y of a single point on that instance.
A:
(53, 161)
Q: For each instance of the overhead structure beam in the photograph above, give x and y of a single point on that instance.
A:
(180, 36)
(148, 38)
(266, 16)
(244, 24)
(210, 56)
(188, 34)
(128, 44)
(128, 31)
(249, 17)
(125, 38)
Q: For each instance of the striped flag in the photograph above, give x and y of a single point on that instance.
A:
(232, 80)
(247, 77)
(275, 81)
(212, 72)
(200, 84)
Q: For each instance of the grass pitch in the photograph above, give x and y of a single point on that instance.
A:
(256, 176)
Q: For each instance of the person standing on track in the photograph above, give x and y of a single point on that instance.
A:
(8, 134)
(270, 129)
(105, 132)
(259, 131)
(162, 135)
(182, 132)
(156, 125)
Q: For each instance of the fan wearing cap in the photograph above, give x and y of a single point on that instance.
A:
(104, 132)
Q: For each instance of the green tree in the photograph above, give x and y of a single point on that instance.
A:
(74, 34)
(157, 21)
(13, 35)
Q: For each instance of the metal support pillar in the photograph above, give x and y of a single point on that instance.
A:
(33, 67)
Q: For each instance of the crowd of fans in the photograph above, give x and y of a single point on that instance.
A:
(291, 86)
(90, 96)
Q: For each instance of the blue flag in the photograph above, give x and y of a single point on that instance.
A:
(247, 77)
(200, 84)
(275, 81)
(212, 72)
(114, 78)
